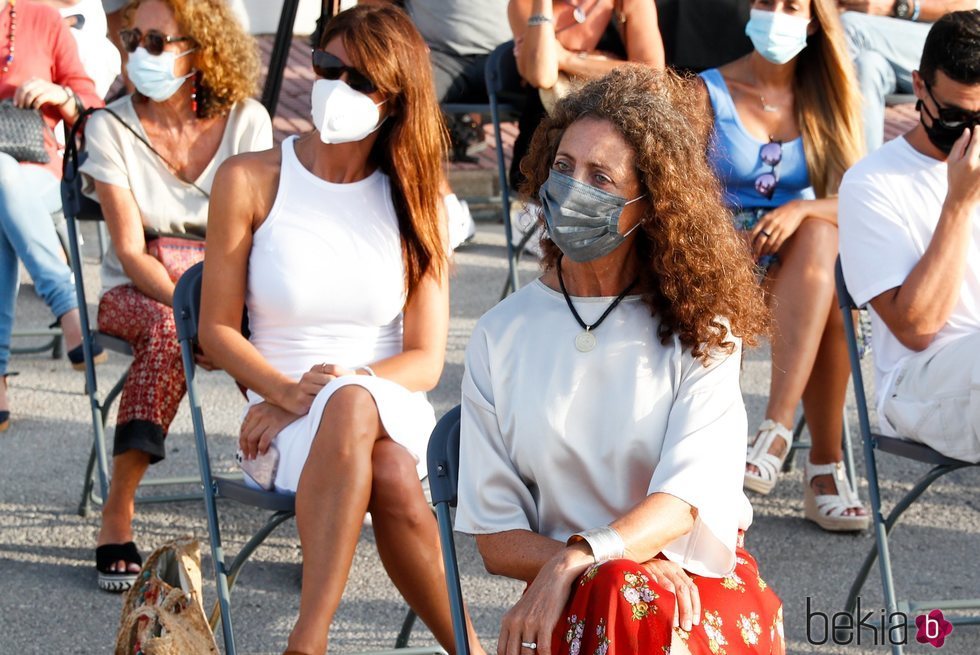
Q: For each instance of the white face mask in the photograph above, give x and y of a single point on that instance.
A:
(341, 114)
(153, 75)
(777, 36)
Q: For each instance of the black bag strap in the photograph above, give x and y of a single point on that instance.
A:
(71, 146)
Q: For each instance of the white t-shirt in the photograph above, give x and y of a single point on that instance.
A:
(166, 203)
(890, 203)
(556, 441)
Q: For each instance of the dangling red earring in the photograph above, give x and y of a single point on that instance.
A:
(195, 90)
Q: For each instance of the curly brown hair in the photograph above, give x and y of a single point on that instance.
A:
(699, 273)
(227, 57)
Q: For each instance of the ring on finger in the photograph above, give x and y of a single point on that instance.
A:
(765, 234)
(530, 645)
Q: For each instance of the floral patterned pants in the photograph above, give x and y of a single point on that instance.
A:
(155, 386)
(615, 609)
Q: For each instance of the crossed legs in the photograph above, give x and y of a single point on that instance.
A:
(353, 467)
(809, 356)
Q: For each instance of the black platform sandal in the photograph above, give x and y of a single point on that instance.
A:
(106, 556)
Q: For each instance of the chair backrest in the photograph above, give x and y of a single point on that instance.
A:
(501, 75)
(187, 302)
(844, 299)
(442, 456)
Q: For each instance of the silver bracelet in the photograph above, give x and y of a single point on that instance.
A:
(370, 371)
(539, 19)
(606, 543)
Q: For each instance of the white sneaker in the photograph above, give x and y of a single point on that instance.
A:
(461, 226)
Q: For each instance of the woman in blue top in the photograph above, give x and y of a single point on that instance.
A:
(787, 126)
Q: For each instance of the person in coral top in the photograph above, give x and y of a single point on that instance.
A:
(39, 69)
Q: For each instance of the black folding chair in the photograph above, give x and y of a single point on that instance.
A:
(502, 80)
(79, 208)
(874, 443)
(443, 460)
(187, 302)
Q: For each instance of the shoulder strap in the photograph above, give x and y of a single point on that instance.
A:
(721, 99)
(156, 152)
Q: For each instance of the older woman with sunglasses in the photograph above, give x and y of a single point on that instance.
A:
(787, 126)
(153, 161)
(335, 243)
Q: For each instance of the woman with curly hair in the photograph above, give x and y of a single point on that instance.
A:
(787, 120)
(602, 419)
(152, 158)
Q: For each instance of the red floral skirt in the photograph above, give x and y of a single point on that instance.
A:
(615, 609)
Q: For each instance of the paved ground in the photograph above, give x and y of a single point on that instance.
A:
(49, 602)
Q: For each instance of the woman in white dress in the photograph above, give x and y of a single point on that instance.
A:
(335, 244)
(601, 436)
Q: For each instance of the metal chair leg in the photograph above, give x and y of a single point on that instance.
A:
(406, 631)
(883, 527)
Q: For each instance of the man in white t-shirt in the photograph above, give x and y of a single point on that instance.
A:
(910, 245)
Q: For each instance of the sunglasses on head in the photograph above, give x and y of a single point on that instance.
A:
(153, 40)
(770, 154)
(952, 118)
(330, 67)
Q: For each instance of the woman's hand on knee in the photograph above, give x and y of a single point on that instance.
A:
(261, 425)
(674, 579)
(772, 230)
(534, 617)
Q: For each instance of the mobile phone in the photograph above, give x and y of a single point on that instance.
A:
(263, 468)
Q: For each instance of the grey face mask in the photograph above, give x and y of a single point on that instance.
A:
(582, 220)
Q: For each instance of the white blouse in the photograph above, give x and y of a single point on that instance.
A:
(556, 441)
(166, 203)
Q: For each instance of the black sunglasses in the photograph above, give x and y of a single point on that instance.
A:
(952, 118)
(330, 67)
(153, 40)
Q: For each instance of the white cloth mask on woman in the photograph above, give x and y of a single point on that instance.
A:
(341, 114)
(153, 75)
(777, 36)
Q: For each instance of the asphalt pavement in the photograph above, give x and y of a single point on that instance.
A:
(49, 602)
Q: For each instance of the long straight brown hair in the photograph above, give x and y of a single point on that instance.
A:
(384, 45)
(828, 102)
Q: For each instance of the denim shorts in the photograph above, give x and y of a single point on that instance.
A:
(745, 220)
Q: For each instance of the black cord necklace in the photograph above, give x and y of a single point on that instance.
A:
(586, 341)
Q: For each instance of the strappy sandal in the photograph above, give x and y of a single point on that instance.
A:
(768, 465)
(106, 556)
(828, 511)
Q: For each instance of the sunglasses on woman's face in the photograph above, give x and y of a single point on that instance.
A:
(330, 67)
(953, 118)
(153, 40)
(770, 154)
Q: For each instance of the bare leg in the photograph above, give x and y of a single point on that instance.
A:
(120, 506)
(331, 501)
(71, 327)
(823, 402)
(408, 541)
(801, 290)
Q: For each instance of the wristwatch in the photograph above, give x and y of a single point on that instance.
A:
(903, 9)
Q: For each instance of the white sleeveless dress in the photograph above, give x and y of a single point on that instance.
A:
(326, 284)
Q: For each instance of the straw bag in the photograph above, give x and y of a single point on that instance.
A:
(162, 613)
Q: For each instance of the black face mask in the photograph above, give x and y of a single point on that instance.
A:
(948, 126)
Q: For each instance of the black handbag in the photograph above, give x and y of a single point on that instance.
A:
(22, 133)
